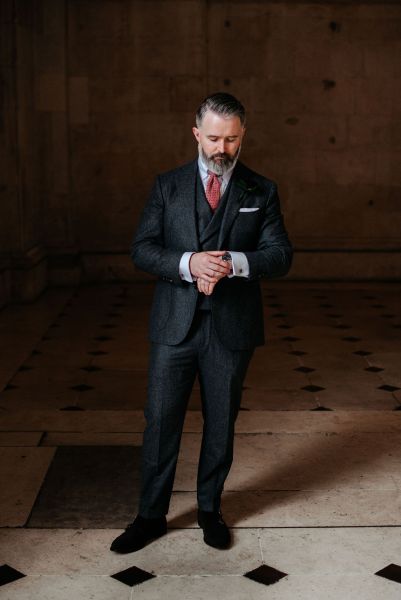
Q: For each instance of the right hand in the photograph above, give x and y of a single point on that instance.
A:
(209, 266)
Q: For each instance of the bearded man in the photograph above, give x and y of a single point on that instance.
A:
(210, 231)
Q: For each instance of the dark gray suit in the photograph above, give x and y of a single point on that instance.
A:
(217, 343)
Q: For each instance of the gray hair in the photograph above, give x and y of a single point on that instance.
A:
(223, 104)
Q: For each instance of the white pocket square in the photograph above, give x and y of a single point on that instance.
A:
(249, 209)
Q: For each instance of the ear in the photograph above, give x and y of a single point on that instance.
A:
(195, 131)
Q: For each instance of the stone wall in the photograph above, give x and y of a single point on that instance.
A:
(99, 96)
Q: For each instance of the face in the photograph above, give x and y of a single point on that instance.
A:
(219, 141)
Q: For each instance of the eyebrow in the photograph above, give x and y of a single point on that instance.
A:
(217, 136)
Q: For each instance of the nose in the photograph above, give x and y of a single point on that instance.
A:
(221, 146)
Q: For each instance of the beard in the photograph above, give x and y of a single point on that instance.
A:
(222, 166)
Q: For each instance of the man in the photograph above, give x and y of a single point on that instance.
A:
(210, 230)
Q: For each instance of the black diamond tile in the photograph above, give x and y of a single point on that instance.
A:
(285, 326)
(290, 338)
(334, 316)
(298, 352)
(10, 386)
(35, 352)
(72, 407)
(97, 352)
(133, 576)
(25, 368)
(362, 353)
(374, 369)
(386, 316)
(326, 305)
(103, 338)
(341, 326)
(82, 387)
(91, 369)
(313, 388)
(321, 408)
(398, 326)
(397, 407)
(351, 338)
(244, 408)
(46, 337)
(279, 315)
(304, 369)
(114, 314)
(109, 326)
(388, 388)
(265, 574)
(391, 572)
(55, 325)
(378, 306)
(369, 297)
(118, 304)
(8, 574)
(321, 297)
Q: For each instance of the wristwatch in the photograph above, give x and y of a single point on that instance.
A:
(226, 257)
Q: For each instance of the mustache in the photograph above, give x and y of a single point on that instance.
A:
(222, 155)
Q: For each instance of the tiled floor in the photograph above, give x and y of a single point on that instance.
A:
(314, 492)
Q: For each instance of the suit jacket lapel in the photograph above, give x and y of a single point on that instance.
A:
(238, 194)
(186, 182)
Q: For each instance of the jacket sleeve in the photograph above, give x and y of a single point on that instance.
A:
(148, 251)
(273, 255)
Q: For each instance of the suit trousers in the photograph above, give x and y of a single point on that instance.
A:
(172, 373)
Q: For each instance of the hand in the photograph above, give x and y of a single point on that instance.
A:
(209, 266)
(205, 287)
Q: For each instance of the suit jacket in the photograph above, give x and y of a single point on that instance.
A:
(168, 228)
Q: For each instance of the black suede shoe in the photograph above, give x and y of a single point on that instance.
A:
(138, 534)
(215, 531)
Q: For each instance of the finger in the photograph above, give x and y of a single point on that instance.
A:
(215, 252)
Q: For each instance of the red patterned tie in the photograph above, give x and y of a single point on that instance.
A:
(213, 190)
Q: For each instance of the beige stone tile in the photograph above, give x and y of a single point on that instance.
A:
(329, 551)
(86, 552)
(55, 438)
(23, 471)
(332, 508)
(277, 399)
(64, 587)
(200, 588)
(54, 420)
(38, 398)
(247, 422)
(307, 422)
(115, 389)
(271, 378)
(20, 438)
(302, 462)
(308, 587)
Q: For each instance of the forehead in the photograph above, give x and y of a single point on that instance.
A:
(214, 124)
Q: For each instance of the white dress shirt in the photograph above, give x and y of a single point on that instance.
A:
(239, 262)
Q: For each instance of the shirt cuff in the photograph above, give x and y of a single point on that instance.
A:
(183, 268)
(240, 265)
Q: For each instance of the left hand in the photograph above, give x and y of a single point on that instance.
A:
(205, 286)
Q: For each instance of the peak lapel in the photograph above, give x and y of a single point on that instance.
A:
(186, 182)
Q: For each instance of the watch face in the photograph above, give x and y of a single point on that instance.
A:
(226, 256)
